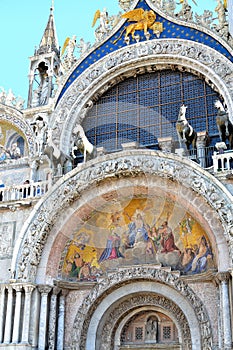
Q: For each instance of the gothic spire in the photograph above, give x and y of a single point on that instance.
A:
(49, 40)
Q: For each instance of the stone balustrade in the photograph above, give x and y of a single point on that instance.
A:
(24, 191)
(223, 161)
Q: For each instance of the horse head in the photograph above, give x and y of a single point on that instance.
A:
(219, 105)
(182, 112)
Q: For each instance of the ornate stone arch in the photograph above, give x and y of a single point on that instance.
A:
(71, 188)
(194, 57)
(15, 117)
(150, 304)
(147, 286)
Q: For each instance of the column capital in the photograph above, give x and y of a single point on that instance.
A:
(202, 137)
(222, 277)
(44, 289)
(2, 287)
(17, 287)
(64, 292)
(29, 288)
(9, 288)
(56, 290)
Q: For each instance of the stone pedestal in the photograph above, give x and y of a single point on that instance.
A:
(202, 138)
(166, 144)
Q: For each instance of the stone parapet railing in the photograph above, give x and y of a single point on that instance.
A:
(223, 161)
(24, 191)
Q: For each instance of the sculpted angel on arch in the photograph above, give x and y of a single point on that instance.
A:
(103, 27)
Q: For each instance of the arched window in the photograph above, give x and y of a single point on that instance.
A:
(145, 108)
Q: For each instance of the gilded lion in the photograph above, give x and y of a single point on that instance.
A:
(144, 20)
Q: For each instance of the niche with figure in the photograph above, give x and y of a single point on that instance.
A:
(149, 327)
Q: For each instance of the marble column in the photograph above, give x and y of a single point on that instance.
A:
(8, 323)
(225, 307)
(27, 312)
(61, 321)
(2, 306)
(52, 319)
(44, 291)
(201, 144)
(15, 336)
(36, 312)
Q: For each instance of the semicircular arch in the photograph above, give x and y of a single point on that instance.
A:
(73, 188)
(147, 56)
(148, 286)
(15, 118)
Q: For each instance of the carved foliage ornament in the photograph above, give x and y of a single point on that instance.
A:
(138, 273)
(127, 164)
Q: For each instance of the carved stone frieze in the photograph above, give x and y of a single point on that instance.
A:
(106, 285)
(107, 335)
(199, 59)
(120, 165)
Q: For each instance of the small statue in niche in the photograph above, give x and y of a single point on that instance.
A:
(40, 128)
(151, 330)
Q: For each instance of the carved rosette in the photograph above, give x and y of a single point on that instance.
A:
(124, 164)
(128, 275)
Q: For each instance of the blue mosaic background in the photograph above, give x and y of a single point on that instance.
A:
(171, 31)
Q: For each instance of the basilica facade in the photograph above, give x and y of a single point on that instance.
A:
(116, 191)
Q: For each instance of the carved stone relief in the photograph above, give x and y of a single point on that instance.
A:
(125, 164)
(114, 280)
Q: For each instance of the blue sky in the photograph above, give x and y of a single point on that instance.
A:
(23, 22)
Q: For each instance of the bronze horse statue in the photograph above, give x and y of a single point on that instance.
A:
(82, 143)
(185, 131)
(56, 157)
(225, 127)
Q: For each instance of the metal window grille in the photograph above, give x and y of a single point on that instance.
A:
(167, 332)
(146, 107)
(138, 333)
